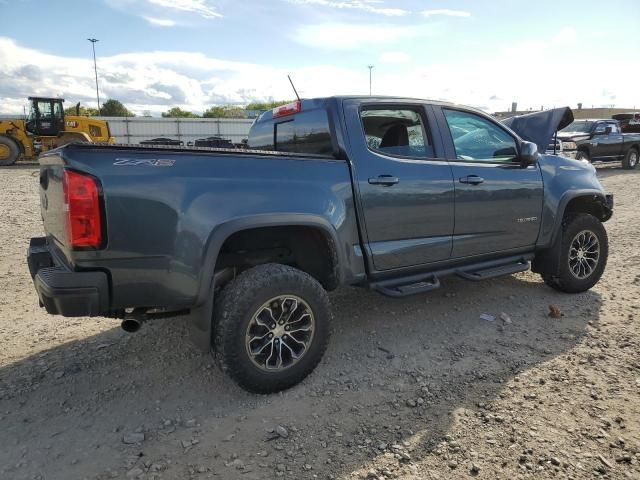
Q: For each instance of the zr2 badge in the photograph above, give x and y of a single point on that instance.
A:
(149, 162)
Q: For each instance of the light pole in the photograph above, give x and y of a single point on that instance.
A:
(370, 69)
(95, 68)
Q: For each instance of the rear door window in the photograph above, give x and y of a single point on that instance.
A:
(397, 131)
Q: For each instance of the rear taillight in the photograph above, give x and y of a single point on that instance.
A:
(82, 206)
(288, 109)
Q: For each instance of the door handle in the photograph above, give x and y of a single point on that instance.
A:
(386, 180)
(472, 179)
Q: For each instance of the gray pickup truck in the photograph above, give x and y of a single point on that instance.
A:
(600, 140)
(391, 194)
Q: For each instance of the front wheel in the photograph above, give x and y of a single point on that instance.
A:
(582, 155)
(631, 159)
(271, 327)
(583, 251)
(9, 151)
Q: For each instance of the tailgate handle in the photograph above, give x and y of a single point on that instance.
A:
(386, 180)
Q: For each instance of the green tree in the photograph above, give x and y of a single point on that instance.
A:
(224, 111)
(114, 108)
(84, 111)
(267, 105)
(177, 112)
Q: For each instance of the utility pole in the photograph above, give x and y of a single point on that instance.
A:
(95, 68)
(370, 69)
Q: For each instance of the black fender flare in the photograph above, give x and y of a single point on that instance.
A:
(223, 231)
(596, 195)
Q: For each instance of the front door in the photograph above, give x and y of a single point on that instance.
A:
(405, 189)
(607, 145)
(498, 203)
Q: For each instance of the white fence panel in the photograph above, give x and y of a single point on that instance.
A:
(137, 129)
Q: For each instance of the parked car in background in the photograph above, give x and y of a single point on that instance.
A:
(600, 140)
(391, 194)
(629, 122)
(162, 141)
(214, 142)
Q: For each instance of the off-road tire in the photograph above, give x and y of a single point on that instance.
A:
(630, 160)
(582, 155)
(235, 308)
(563, 279)
(14, 151)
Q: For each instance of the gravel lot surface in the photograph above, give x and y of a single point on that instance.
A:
(417, 388)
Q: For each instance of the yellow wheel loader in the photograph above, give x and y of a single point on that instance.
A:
(45, 128)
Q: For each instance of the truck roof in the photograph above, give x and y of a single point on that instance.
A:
(386, 98)
(321, 102)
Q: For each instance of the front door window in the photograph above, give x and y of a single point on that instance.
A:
(477, 139)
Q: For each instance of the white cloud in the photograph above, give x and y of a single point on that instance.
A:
(565, 36)
(445, 12)
(347, 36)
(394, 57)
(158, 80)
(160, 22)
(371, 6)
(200, 7)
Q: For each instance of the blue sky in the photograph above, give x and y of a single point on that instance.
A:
(154, 54)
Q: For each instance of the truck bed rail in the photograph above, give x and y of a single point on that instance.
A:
(186, 149)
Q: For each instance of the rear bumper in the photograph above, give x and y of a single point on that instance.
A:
(63, 291)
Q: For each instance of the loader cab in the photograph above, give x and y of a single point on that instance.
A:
(46, 116)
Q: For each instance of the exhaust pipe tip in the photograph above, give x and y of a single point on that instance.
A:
(131, 325)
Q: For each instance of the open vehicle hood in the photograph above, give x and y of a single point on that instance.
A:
(540, 127)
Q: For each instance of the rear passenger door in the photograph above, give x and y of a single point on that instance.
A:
(405, 188)
(498, 203)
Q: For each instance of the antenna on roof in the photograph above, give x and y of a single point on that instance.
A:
(294, 87)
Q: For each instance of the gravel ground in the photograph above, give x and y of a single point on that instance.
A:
(417, 388)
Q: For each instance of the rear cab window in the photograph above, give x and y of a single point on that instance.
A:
(396, 131)
(305, 132)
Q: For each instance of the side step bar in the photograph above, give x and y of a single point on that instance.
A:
(424, 282)
(494, 272)
(396, 288)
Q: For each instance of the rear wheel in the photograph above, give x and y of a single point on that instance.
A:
(9, 151)
(631, 159)
(584, 248)
(272, 327)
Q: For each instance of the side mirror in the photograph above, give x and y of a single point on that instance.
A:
(528, 153)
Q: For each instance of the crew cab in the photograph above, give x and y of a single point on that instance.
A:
(600, 140)
(390, 194)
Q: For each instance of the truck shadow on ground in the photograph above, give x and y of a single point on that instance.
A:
(396, 371)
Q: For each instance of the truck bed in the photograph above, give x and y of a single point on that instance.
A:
(163, 205)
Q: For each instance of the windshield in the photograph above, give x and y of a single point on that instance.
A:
(579, 126)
